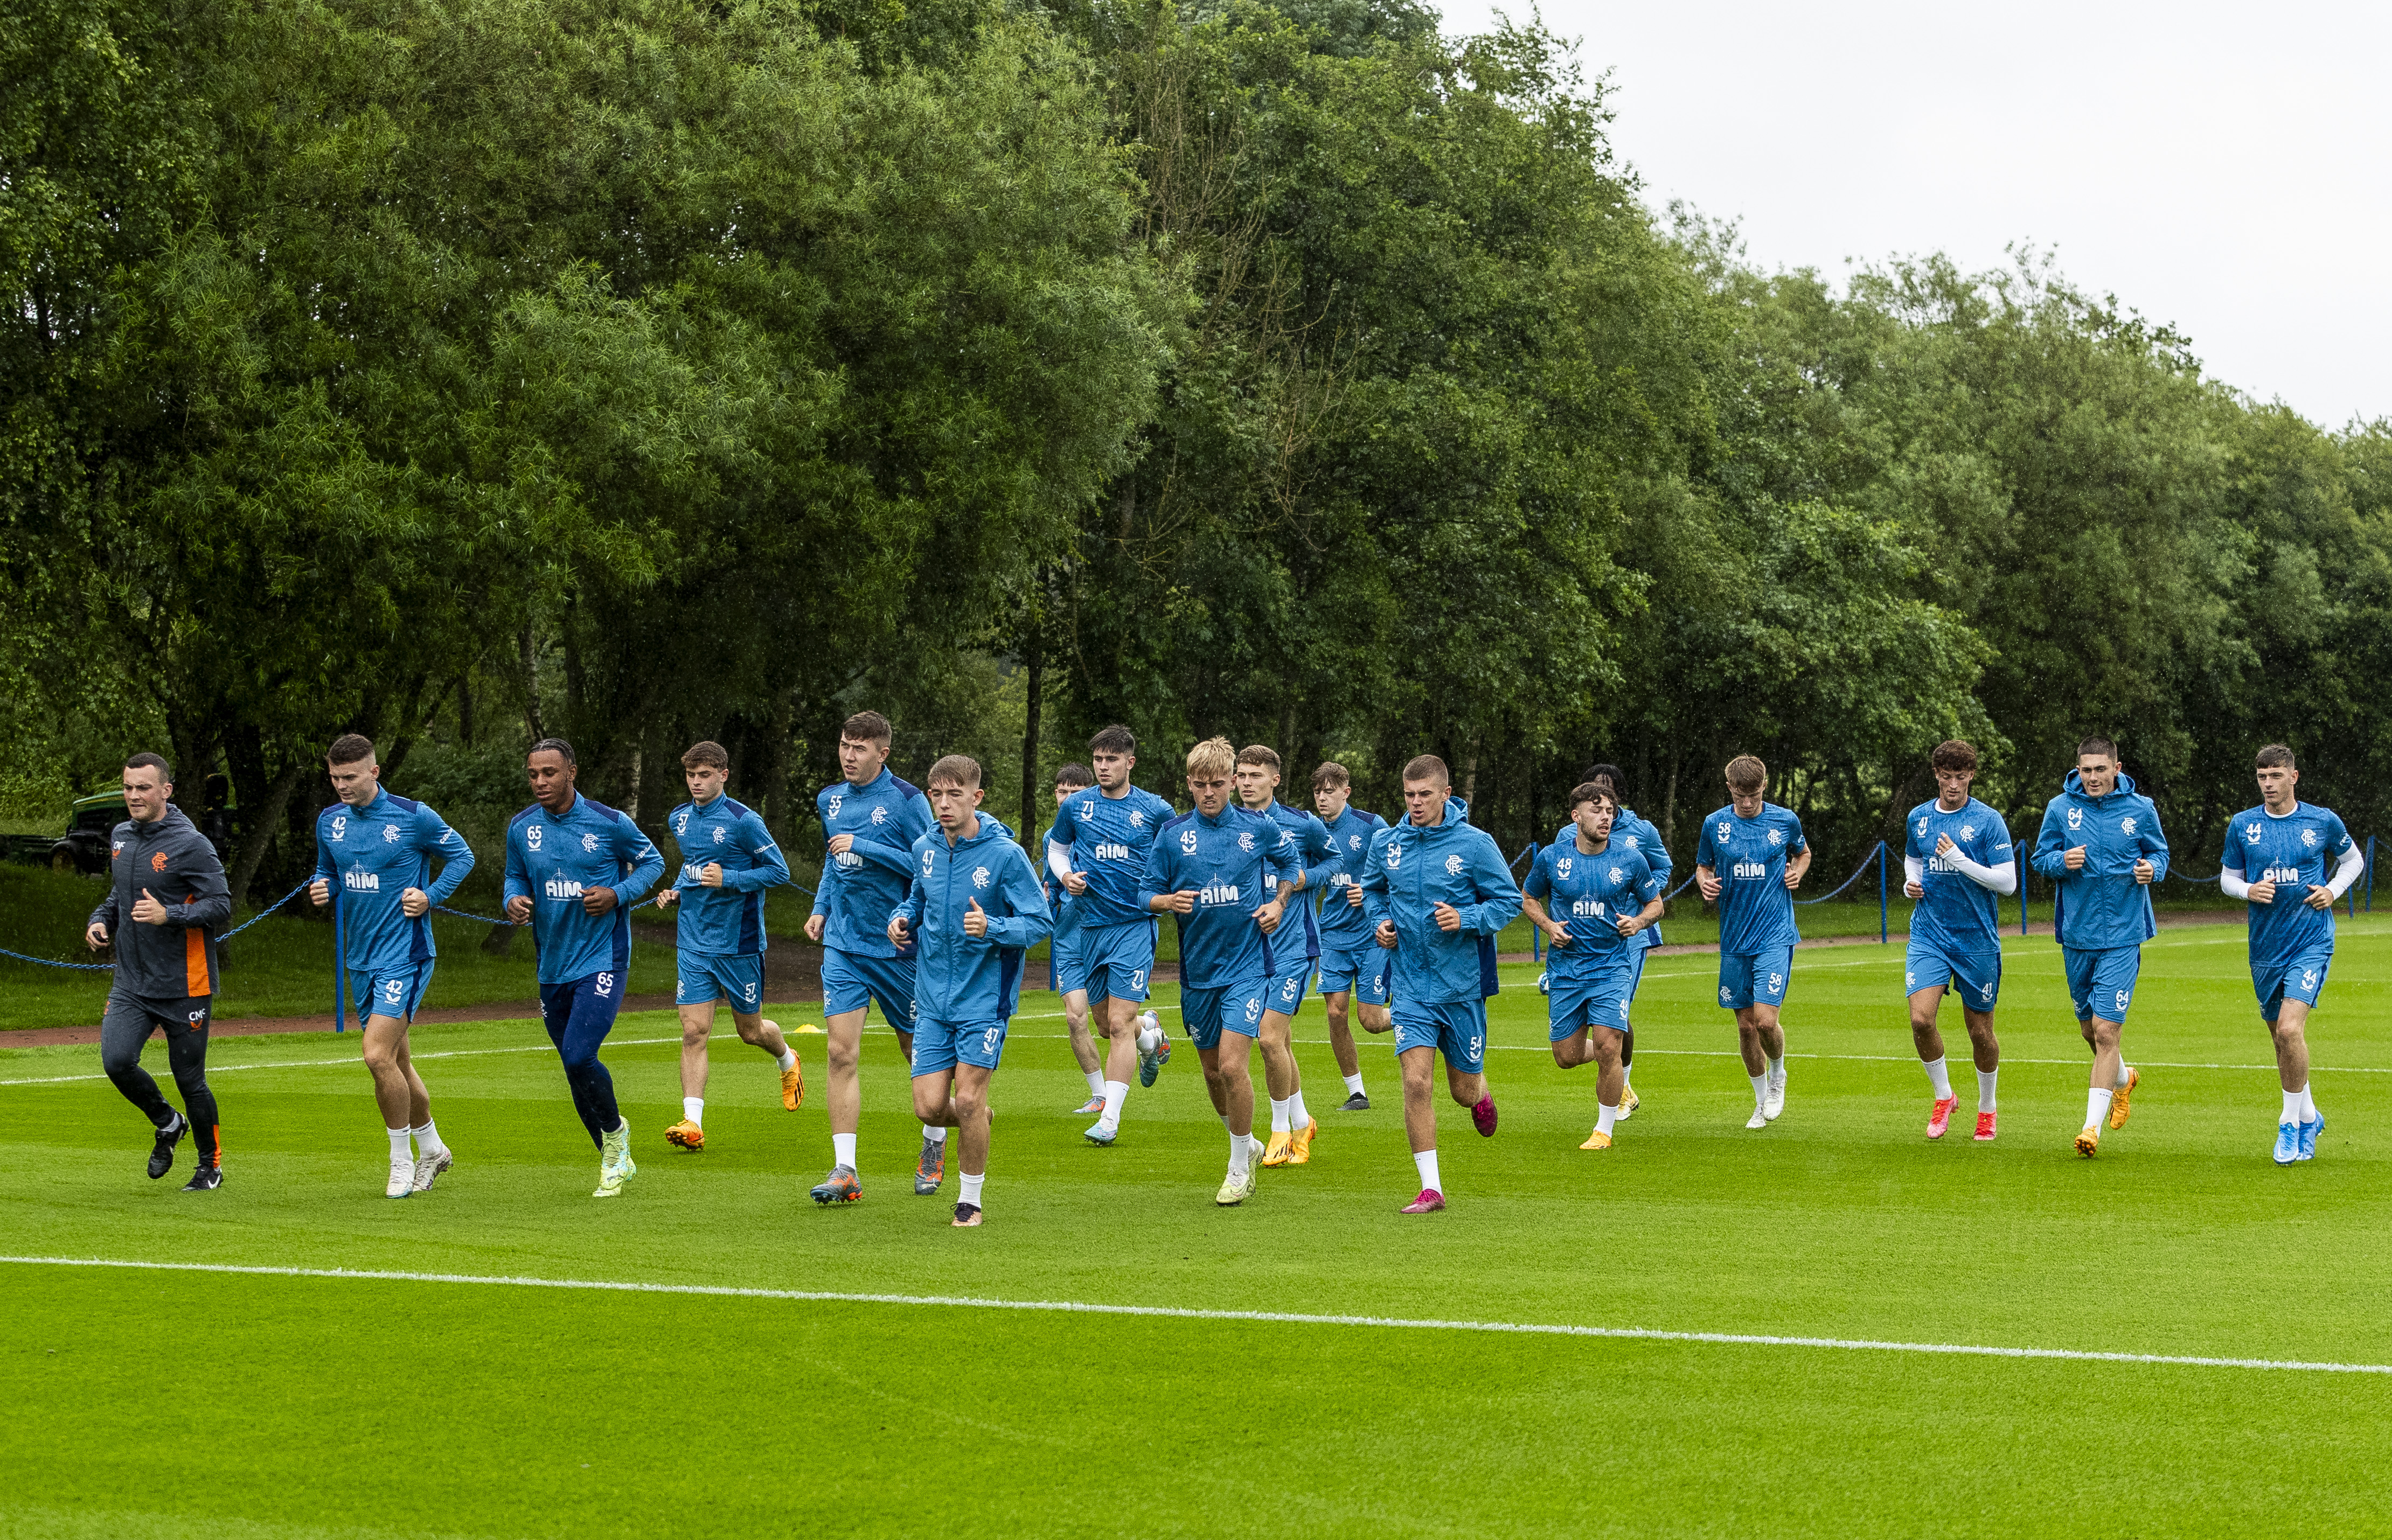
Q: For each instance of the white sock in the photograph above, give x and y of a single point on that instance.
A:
(1939, 1075)
(1605, 1117)
(2292, 1107)
(694, 1109)
(1426, 1160)
(842, 1150)
(1777, 1070)
(398, 1145)
(1242, 1153)
(2309, 1107)
(1114, 1092)
(1096, 1081)
(1759, 1088)
(427, 1139)
(1297, 1115)
(935, 1136)
(1278, 1117)
(1623, 1084)
(1353, 1085)
(2124, 1071)
(788, 1058)
(1985, 1079)
(2097, 1107)
(971, 1188)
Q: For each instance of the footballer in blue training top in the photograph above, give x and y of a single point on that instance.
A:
(379, 848)
(574, 869)
(2101, 847)
(1098, 851)
(1593, 898)
(1957, 858)
(728, 860)
(1218, 869)
(1355, 970)
(1750, 859)
(1319, 861)
(870, 819)
(2289, 861)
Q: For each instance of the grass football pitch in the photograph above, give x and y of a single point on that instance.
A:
(205, 1401)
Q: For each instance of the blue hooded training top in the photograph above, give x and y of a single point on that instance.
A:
(1411, 870)
(1343, 925)
(726, 921)
(2101, 907)
(959, 978)
(860, 886)
(375, 853)
(1229, 862)
(553, 861)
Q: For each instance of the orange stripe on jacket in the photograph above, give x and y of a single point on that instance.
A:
(195, 962)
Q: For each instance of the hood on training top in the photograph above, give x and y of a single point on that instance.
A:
(2073, 784)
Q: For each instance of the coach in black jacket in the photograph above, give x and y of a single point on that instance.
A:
(166, 901)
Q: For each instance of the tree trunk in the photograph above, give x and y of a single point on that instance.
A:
(258, 823)
(1033, 663)
(530, 684)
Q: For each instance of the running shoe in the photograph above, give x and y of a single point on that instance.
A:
(2310, 1131)
(1096, 1134)
(207, 1179)
(2089, 1140)
(1094, 1105)
(1777, 1101)
(1429, 1202)
(2119, 1111)
(1153, 1052)
(1356, 1102)
(1482, 1115)
(615, 1164)
(931, 1168)
(1597, 1140)
(1545, 983)
(402, 1178)
(967, 1216)
(840, 1186)
(1984, 1128)
(1282, 1144)
(2288, 1143)
(1629, 1103)
(429, 1167)
(793, 1086)
(1759, 1119)
(686, 1135)
(161, 1153)
(1236, 1188)
(1940, 1120)
(1300, 1142)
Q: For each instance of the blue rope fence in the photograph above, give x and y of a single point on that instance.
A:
(111, 967)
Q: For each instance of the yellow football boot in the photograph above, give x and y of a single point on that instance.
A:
(1299, 1151)
(2088, 1141)
(793, 1086)
(1597, 1140)
(1281, 1150)
(2119, 1111)
(688, 1135)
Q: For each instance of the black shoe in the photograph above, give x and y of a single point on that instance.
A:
(1356, 1102)
(162, 1154)
(207, 1179)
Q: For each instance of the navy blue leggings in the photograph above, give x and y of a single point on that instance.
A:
(579, 1016)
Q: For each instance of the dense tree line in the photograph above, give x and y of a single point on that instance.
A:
(650, 370)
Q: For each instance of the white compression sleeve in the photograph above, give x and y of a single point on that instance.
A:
(2352, 864)
(2234, 883)
(1059, 860)
(1913, 869)
(2000, 879)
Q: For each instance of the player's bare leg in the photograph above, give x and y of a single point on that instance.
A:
(1115, 1020)
(1083, 1048)
(1230, 1077)
(1604, 1047)
(957, 1098)
(1291, 1126)
(2300, 1119)
(2109, 1078)
(405, 1106)
(1762, 1043)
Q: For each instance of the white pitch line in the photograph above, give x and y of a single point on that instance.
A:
(1275, 1318)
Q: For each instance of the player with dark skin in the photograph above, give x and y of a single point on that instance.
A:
(551, 786)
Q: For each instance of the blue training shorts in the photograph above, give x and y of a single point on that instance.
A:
(1598, 997)
(702, 980)
(1232, 1008)
(1288, 989)
(1067, 969)
(2102, 983)
(1755, 978)
(939, 1046)
(1976, 975)
(1367, 972)
(391, 994)
(2303, 978)
(852, 981)
(1455, 1028)
(1119, 960)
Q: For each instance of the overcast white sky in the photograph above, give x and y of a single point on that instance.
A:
(2227, 169)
